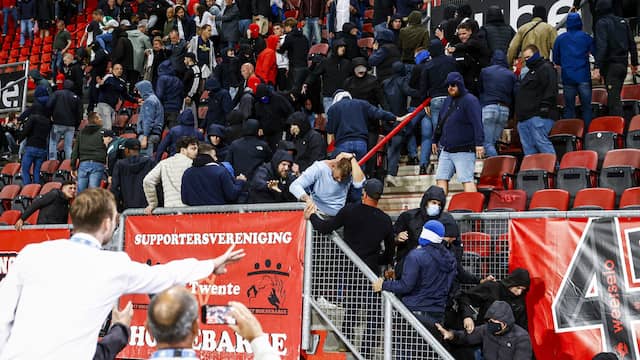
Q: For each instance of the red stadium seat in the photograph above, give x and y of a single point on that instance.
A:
(566, 135)
(27, 194)
(8, 172)
(595, 199)
(466, 202)
(507, 200)
(64, 172)
(322, 49)
(630, 92)
(633, 133)
(620, 170)
(550, 200)
(33, 218)
(367, 28)
(368, 14)
(291, 14)
(630, 199)
(10, 217)
(577, 171)
(605, 133)
(536, 173)
(497, 173)
(7, 194)
(477, 242)
(47, 169)
(51, 185)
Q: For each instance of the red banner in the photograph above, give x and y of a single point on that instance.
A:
(585, 285)
(12, 241)
(268, 279)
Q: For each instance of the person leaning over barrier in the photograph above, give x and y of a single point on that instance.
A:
(172, 319)
(78, 276)
(53, 206)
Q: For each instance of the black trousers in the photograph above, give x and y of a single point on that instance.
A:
(614, 79)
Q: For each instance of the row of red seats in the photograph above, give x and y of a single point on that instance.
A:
(50, 170)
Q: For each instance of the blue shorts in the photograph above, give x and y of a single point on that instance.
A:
(462, 164)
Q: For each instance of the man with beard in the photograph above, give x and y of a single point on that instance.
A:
(270, 183)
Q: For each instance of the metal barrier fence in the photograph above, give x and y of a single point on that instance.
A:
(372, 326)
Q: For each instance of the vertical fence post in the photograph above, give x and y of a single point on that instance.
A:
(388, 327)
(306, 288)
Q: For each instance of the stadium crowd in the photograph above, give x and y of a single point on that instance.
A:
(239, 101)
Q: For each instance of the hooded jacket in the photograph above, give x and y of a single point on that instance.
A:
(433, 80)
(169, 88)
(571, 51)
(53, 206)
(228, 71)
(40, 81)
(497, 82)
(209, 183)
(248, 153)
(471, 56)
(483, 295)
(310, 145)
(266, 66)
(351, 41)
(65, 106)
(397, 90)
(350, 119)
(333, 70)
(127, 177)
(406, 7)
(364, 88)
(219, 131)
(427, 276)
(614, 41)
(219, 103)
(462, 129)
(185, 128)
(296, 46)
(413, 36)
(122, 50)
(151, 115)
(36, 129)
(543, 36)
(140, 42)
(537, 92)
(75, 73)
(273, 114)
(386, 54)
(495, 31)
(258, 189)
(89, 146)
(514, 344)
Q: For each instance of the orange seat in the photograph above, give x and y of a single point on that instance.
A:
(8, 171)
(633, 133)
(10, 217)
(51, 185)
(64, 171)
(321, 48)
(550, 200)
(630, 199)
(366, 42)
(630, 92)
(48, 168)
(465, 202)
(595, 199)
(7, 194)
(566, 135)
(497, 173)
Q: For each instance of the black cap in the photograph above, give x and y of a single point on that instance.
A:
(374, 188)
(109, 133)
(132, 144)
(191, 56)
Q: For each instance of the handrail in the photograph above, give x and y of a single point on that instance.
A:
(393, 132)
(545, 214)
(333, 328)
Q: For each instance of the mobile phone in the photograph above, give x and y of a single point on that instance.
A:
(215, 315)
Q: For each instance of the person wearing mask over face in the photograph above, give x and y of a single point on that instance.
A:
(385, 53)
(332, 71)
(409, 224)
(413, 36)
(54, 269)
(310, 145)
(53, 206)
(249, 152)
(349, 35)
(500, 336)
(362, 85)
(270, 183)
(272, 110)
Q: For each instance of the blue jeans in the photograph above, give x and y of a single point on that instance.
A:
(429, 125)
(463, 164)
(584, 91)
(494, 119)
(104, 40)
(395, 145)
(32, 156)
(56, 62)
(534, 135)
(5, 15)
(358, 147)
(311, 30)
(58, 132)
(90, 175)
(26, 28)
(243, 25)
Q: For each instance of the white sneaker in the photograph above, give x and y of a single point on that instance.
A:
(392, 181)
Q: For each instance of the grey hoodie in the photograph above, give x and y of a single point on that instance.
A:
(151, 117)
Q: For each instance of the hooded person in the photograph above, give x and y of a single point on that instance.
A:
(249, 152)
(216, 137)
(310, 145)
(348, 35)
(362, 85)
(413, 36)
(266, 65)
(234, 131)
(385, 55)
(270, 183)
(409, 224)
(497, 34)
(228, 71)
(150, 118)
(511, 289)
(36, 132)
(219, 104)
(66, 108)
(186, 127)
(537, 32)
(272, 110)
(40, 80)
(127, 177)
(446, 29)
(170, 92)
(333, 71)
(500, 336)
(254, 41)
(427, 276)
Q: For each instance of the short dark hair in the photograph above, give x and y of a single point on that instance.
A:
(185, 141)
(98, 12)
(205, 26)
(205, 148)
(93, 117)
(467, 25)
(291, 22)
(67, 182)
(531, 47)
(91, 208)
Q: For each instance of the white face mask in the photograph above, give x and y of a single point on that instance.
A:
(433, 210)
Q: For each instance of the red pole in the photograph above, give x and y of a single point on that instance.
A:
(393, 132)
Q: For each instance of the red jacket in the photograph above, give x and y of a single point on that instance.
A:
(266, 66)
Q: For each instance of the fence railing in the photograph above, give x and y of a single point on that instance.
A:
(372, 325)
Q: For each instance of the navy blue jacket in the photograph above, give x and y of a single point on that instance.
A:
(185, 128)
(26, 9)
(219, 103)
(348, 119)
(427, 276)
(404, 7)
(248, 153)
(571, 51)
(128, 174)
(259, 192)
(169, 88)
(396, 90)
(433, 80)
(497, 83)
(209, 183)
(462, 130)
(112, 89)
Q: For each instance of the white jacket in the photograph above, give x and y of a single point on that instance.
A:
(168, 172)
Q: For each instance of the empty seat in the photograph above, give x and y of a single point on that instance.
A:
(620, 170)
(10, 217)
(605, 133)
(7, 194)
(633, 134)
(630, 199)
(26, 196)
(599, 98)
(477, 242)
(497, 173)
(536, 173)
(64, 172)
(595, 199)
(507, 200)
(8, 172)
(630, 97)
(47, 170)
(466, 202)
(51, 185)
(550, 200)
(566, 135)
(577, 171)
(322, 49)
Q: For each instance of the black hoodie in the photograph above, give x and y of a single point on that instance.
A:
(614, 41)
(66, 106)
(364, 88)
(310, 145)
(496, 32)
(122, 50)
(296, 46)
(333, 70)
(273, 114)
(258, 190)
(248, 153)
(126, 186)
(53, 206)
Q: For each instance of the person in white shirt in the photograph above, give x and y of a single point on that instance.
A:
(172, 319)
(59, 292)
